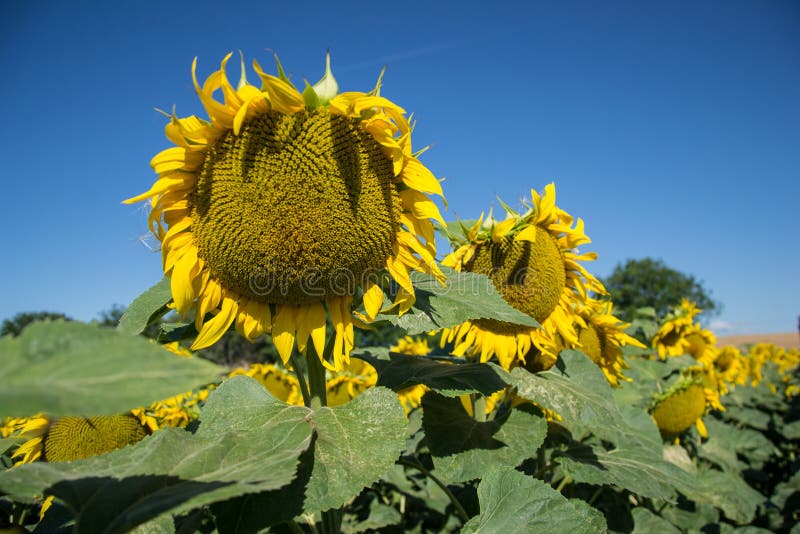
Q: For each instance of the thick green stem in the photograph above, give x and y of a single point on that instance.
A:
(478, 407)
(564, 481)
(453, 500)
(331, 519)
(316, 375)
(301, 379)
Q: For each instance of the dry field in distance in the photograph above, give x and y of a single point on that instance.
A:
(788, 340)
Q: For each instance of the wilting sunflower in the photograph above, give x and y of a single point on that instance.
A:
(531, 260)
(601, 336)
(277, 211)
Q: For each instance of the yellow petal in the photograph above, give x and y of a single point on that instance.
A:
(181, 281)
(283, 96)
(420, 205)
(416, 176)
(373, 300)
(526, 234)
(216, 327)
(171, 181)
(283, 328)
(317, 319)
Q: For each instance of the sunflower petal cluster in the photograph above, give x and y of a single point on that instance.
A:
(601, 336)
(680, 334)
(532, 260)
(282, 207)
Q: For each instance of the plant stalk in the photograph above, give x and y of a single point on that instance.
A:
(331, 519)
(455, 502)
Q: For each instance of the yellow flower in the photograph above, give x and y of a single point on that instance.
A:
(532, 261)
(672, 338)
(276, 212)
(732, 366)
(70, 438)
(411, 346)
(34, 429)
(601, 336)
(679, 409)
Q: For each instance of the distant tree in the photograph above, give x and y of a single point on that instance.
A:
(650, 283)
(110, 317)
(17, 324)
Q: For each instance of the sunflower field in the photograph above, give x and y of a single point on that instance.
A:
(484, 388)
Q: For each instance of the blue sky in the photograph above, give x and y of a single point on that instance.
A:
(671, 128)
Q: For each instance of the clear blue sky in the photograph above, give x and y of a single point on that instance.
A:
(671, 128)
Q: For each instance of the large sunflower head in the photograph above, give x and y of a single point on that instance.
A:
(532, 261)
(283, 206)
(601, 336)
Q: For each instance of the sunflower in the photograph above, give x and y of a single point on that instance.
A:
(732, 366)
(684, 404)
(70, 438)
(671, 339)
(277, 211)
(601, 336)
(531, 260)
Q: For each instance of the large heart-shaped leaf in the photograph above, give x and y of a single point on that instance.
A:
(68, 368)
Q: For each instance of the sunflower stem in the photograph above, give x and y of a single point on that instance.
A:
(301, 379)
(478, 407)
(331, 519)
(564, 481)
(316, 375)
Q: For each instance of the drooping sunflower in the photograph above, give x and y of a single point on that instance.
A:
(601, 336)
(732, 366)
(277, 211)
(685, 403)
(531, 258)
(671, 339)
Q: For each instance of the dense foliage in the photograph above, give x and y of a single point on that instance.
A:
(559, 449)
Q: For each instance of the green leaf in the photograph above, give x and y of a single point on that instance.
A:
(7, 443)
(728, 492)
(513, 502)
(247, 441)
(146, 308)
(380, 516)
(355, 445)
(68, 368)
(636, 469)
(725, 442)
(576, 389)
(398, 371)
(690, 515)
(462, 447)
(464, 297)
(646, 522)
